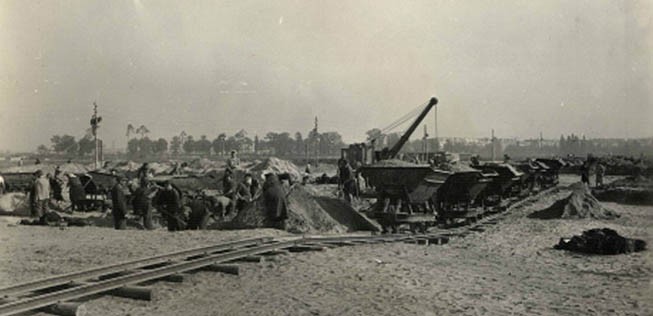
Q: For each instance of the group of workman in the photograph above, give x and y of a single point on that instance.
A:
(144, 195)
(169, 200)
(586, 169)
(48, 188)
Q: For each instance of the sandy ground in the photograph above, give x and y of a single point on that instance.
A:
(509, 269)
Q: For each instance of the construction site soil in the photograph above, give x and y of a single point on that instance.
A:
(510, 268)
(630, 190)
(579, 204)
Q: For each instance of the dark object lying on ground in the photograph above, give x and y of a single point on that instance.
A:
(602, 241)
(54, 219)
(324, 179)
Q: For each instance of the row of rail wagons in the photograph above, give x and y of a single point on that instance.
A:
(421, 196)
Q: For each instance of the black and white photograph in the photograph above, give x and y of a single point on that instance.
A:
(314, 157)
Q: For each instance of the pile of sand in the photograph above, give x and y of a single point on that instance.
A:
(49, 168)
(602, 241)
(161, 168)
(277, 166)
(579, 204)
(305, 215)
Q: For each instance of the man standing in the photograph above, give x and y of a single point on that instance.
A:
(57, 185)
(585, 173)
(119, 201)
(41, 195)
(142, 202)
(233, 162)
(76, 192)
(600, 172)
(346, 178)
(276, 204)
(171, 207)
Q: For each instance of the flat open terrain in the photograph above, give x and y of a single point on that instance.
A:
(511, 268)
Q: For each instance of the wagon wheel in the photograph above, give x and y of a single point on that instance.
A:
(414, 228)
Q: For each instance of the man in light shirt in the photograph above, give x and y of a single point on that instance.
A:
(41, 194)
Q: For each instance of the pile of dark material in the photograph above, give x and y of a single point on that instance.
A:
(54, 219)
(579, 204)
(602, 241)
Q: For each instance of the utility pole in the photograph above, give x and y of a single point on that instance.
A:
(95, 124)
(426, 143)
(435, 129)
(317, 142)
(493, 146)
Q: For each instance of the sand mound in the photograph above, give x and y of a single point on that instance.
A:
(49, 168)
(394, 163)
(579, 204)
(161, 168)
(14, 204)
(305, 215)
(278, 166)
(602, 241)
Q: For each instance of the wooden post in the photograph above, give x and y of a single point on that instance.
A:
(66, 309)
(224, 268)
(257, 259)
(133, 292)
(174, 278)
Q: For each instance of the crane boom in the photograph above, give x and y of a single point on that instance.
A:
(392, 153)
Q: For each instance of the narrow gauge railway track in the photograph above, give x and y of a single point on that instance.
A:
(59, 294)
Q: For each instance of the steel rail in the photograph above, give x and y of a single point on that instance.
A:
(127, 265)
(207, 255)
(85, 290)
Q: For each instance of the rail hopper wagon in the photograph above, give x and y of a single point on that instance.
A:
(550, 170)
(463, 192)
(405, 195)
(508, 182)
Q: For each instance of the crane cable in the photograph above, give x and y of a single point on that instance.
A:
(413, 113)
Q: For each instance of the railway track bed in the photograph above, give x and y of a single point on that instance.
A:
(65, 294)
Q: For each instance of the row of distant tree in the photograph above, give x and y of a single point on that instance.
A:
(285, 144)
(274, 143)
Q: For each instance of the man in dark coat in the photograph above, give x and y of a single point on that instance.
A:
(244, 193)
(119, 201)
(201, 211)
(142, 202)
(276, 204)
(347, 180)
(57, 185)
(76, 192)
(170, 204)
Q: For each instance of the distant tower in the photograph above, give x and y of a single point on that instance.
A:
(95, 124)
(541, 140)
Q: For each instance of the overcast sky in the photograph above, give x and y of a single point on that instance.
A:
(206, 67)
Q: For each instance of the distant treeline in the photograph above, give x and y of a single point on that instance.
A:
(285, 144)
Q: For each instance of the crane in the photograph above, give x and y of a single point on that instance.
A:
(392, 152)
